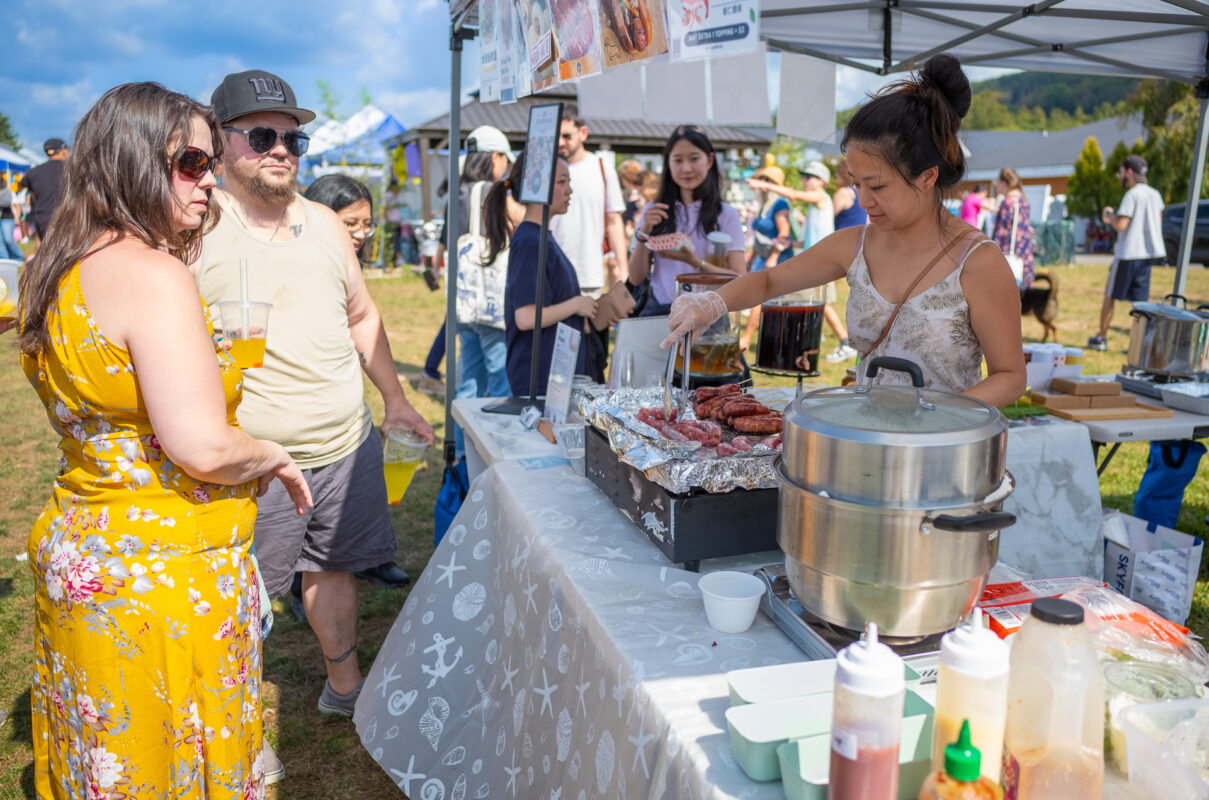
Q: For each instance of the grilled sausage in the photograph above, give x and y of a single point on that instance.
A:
(768, 423)
(710, 392)
(745, 407)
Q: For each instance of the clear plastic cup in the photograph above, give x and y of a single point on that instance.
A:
(246, 326)
(402, 452)
(731, 599)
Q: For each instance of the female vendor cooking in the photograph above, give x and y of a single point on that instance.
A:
(924, 285)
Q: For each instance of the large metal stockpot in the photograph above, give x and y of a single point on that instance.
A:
(894, 445)
(1169, 339)
(890, 503)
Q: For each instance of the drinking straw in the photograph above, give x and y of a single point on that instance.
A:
(243, 295)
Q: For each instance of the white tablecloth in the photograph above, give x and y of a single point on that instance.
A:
(550, 651)
(495, 437)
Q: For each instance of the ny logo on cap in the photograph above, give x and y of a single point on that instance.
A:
(268, 89)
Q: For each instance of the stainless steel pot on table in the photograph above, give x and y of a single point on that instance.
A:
(1169, 339)
(890, 503)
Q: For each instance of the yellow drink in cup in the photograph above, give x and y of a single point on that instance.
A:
(8, 289)
(248, 353)
(246, 326)
(401, 455)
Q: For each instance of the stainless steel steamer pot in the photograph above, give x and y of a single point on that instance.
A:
(1169, 339)
(890, 503)
(894, 445)
(914, 572)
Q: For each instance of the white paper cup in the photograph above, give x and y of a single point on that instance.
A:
(731, 599)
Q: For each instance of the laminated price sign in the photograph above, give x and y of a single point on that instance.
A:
(562, 373)
(700, 28)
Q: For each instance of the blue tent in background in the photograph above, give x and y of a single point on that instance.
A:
(360, 139)
(18, 160)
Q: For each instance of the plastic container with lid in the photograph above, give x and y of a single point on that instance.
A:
(1053, 745)
(1168, 746)
(1128, 683)
(972, 685)
(866, 721)
(960, 777)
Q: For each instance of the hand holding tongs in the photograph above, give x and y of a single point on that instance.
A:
(667, 382)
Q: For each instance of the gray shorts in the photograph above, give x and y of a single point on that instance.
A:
(347, 530)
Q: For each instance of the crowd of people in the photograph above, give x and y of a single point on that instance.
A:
(191, 492)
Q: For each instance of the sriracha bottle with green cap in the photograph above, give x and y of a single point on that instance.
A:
(961, 778)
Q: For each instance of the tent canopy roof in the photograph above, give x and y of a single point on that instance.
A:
(1150, 38)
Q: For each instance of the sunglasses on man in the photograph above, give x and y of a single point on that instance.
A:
(193, 163)
(262, 139)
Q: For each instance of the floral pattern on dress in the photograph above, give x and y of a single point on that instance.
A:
(1024, 233)
(932, 329)
(147, 610)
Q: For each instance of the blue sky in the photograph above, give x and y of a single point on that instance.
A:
(61, 55)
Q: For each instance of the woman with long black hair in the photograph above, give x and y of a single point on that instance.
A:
(562, 301)
(923, 285)
(689, 202)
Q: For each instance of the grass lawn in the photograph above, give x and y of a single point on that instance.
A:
(323, 757)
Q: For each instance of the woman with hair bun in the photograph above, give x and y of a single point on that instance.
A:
(922, 284)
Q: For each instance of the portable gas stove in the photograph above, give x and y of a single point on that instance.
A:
(821, 640)
(1148, 383)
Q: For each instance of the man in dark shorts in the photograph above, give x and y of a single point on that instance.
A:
(308, 395)
(1139, 226)
(43, 183)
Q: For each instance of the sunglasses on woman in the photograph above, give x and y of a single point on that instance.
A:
(262, 139)
(193, 163)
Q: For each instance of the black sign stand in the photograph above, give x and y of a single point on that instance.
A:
(539, 132)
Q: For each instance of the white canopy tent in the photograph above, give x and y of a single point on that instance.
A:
(1165, 39)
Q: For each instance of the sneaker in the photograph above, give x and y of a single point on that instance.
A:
(339, 704)
(1097, 343)
(388, 574)
(274, 770)
(432, 386)
(841, 353)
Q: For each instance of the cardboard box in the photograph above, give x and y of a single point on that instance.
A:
(1150, 564)
(1088, 387)
(1123, 400)
(1059, 400)
(1007, 605)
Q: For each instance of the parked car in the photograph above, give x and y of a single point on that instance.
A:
(1173, 224)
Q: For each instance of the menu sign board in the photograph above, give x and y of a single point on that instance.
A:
(699, 28)
(562, 373)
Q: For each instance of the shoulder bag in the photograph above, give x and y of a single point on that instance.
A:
(1015, 261)
(480, 289)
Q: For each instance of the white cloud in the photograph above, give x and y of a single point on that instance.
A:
(79, 95)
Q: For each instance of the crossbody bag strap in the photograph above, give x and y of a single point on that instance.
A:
(907, 295)
(476, 209)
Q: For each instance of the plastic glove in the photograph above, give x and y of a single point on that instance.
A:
(693, 312)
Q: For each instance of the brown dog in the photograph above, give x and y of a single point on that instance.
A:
(1042, 302)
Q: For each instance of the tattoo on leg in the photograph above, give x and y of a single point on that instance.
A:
(342, 656)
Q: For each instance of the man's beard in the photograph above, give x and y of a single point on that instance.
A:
(271, 193)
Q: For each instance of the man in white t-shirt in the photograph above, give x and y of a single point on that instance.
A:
(1139, 226)
(593, 217)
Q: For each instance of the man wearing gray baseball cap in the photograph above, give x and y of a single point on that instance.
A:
(323, 331)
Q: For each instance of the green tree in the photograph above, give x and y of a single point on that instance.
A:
(1091, 187)
(7, 135)
(988, 113)
(329, 99)
(1169, 114)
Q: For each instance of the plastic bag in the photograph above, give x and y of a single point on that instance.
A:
(1124, 629)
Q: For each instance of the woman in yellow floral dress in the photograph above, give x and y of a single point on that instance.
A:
(147, 650)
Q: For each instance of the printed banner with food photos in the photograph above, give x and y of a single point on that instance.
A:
(537, 24)
(489, 50)
(576, 37)
(701, 28)
(631, 30)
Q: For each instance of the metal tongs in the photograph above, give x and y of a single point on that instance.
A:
(667, 381)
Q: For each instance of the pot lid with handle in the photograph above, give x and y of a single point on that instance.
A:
(895, 414)
(1166, 310)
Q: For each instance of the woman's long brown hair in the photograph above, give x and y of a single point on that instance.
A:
(118, 180)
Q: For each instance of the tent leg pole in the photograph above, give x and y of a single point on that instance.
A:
(452, 224)
(1194, 194)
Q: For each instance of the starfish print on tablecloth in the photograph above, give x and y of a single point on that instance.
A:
(581, 688)
(405, 778)
(388, 677)
(509, 674)
(529, 597)
(512, 771)
(640, 742)
(545, 692)
(663, 635)
(448, 570)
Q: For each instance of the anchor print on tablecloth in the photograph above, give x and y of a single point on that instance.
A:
(440, 668)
